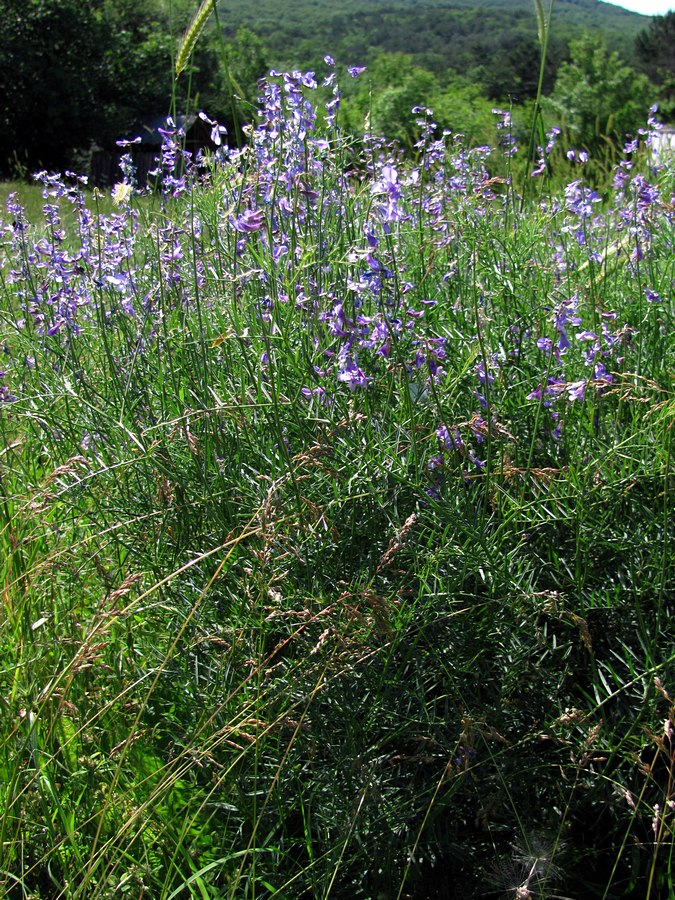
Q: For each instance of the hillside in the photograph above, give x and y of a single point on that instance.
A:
(465, 55)
(440, 34)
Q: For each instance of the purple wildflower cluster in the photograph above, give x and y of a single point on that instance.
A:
(49, 279)
(381, 275)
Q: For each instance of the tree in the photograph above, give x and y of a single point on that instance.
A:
(461, 108)
(51, 70)
(598, 97)
(137, 62)
(385, 97)
(242, 64)
(513, 70)
(75, 75)
(655, 50)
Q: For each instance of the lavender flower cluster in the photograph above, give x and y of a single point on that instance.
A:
(372, 270)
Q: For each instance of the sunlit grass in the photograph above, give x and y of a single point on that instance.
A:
(335, 510)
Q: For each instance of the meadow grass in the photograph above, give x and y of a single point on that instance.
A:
(335, 514)
(30, 196)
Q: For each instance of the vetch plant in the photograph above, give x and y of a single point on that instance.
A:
(336, 523)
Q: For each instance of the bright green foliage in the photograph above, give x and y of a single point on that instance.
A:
(597, 97)
(335, 531)
(462, 108)
(244, 62)
(386, 95)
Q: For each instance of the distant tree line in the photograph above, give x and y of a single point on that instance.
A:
(75, 76)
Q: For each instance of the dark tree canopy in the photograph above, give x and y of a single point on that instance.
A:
(655, 50)
(597, 98)
(51, 72)
(75, 75)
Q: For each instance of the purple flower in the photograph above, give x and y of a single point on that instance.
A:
(388, 183)
(505, 117)
(217, 131)
(250, 220)
(647, 194)
(450, 441)
(541, 167)
(443, 435)
(332, 107)
(6, 395)
(620, 180)
(551, 135)
(317, 393)
(481, 373)
(504, 124)
(576, 390)
(355, 71)
(353, 376)
(580, 200)
(51, 331)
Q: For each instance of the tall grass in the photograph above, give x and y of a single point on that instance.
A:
(335, 508)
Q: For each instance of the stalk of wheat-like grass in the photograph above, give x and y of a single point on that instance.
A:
(541, 21)
(191, 36)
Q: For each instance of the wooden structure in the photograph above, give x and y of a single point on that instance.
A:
(105, 170)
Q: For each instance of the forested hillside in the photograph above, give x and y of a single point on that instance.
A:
(440, 34)
(75, 78)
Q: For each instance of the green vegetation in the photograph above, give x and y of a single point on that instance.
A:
(497, 38)
(76, 77)
(655, 48)
(335, 523)
(599, 100)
